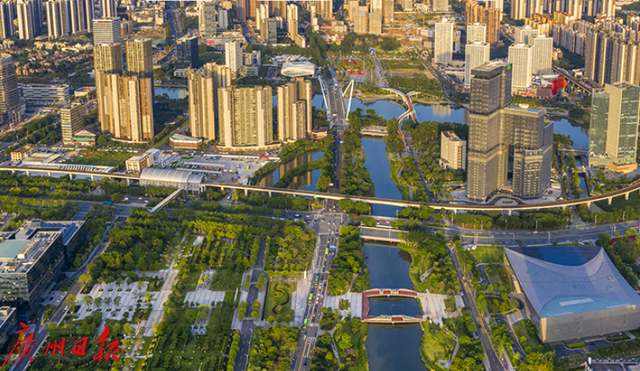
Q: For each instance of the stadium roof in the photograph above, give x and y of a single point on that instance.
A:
(569, 280)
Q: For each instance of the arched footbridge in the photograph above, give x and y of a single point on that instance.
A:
(389, 294)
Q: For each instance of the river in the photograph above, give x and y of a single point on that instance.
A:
(305, 182)
(391, 348)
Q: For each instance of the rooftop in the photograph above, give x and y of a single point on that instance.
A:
(569, 280)
(21, 260)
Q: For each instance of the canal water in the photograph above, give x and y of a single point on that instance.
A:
(392, 348)
(305, 182)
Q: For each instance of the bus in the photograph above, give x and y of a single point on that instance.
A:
(311, 298)
(107, 203)
(326, 251)
(317, 277)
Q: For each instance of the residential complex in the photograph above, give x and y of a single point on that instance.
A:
(139, 58)
(245, 118)
(453, 151)
(203, 98)
(106, 31)
(443, 42)
(294, 110)
(613, 132)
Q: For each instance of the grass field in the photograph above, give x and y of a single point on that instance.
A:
(431, 345)
(532, 343)
(488, 254)
(404, 64)
(101, 158)
(279, 301)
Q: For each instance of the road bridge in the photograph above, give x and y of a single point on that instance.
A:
(393, 320)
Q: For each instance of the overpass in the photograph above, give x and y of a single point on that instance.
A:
(447, 207)
(164, 202)
(584, 88)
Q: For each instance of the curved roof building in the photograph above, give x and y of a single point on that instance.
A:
(171, 178)
(298, 69)
(576, 291)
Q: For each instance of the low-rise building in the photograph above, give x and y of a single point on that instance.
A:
(84, 138)
(178, 141)
(22, 152)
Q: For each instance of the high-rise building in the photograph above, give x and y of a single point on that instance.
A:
(9, 93)
(494, 127)
(140, 57)
(57, 18)
(375, 23)
(125, 106)
(490, 17)
(388, 12)
(203, 98)
(294, 110)
(233, 55)
(262, 13)
(268, 31)
(7, 15)
(292, 21)
(407, 5)
(187, 52)
(440, 6)
(541, 53)
(223, 18)
(453, 151)
(520, 9)
(521, 59)
(106, 30)
(108, 8)
(242, 7)
(476, 54)
(207, 19)
(476, 32)
(80, 15)
(613, 134)
(443, 42)
(108, 58)
(245, 117)
(361, 22)
(610, 57)
(26, 23)
(524, 34)
(70, 122)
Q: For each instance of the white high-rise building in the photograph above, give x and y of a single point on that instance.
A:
(443, 48)
(521, 57)
(233, 55)
(26, 24)
(476, 54)
(292, 20)
(108, 8)
(542, 53)
(262, 13)
(80, 15)
(523, 34)
(440, 6)
(107, 30)
(476, 32)
(57, 18)
(223, 19)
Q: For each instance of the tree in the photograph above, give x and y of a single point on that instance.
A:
(107, 301)
(71, 301)
(87, 300)
(116, 301)
(345, 342)
(84, 279)
(98, 302)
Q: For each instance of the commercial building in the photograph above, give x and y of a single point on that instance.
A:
(453, 151)
(125, 106)
(178, 141)
(476, 32)
(443, 42)
(203, 98)
(245, 116)
(8, 322)
(179, 179)
(70, 122)
(57, 18)
(137, 163)
(107, 31)
(494, 127)
(223, 19)
(107, 58)
(521, 58)
(233, 55)
(140, 58)
(476, 53)
(207, 19)
(23, 152)
(27, 24)
(187, 52)
(294, 110)
(576, 291)
(9, 92)
(44, 94)
(7, 15)
(614, 127)
(298, 69)
(84, 138)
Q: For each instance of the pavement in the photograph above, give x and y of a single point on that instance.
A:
(159, 300)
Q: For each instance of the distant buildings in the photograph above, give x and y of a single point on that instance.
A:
(245, 117)
(453, 151)
(476, 54)
(9, 93)
(140, 57)
(108, 8)
(207, 19)
(611, 57)
(106, 31)
(490, 17)
(57, 18)
(476, 32)
(108, 58)
(443, 42)
(521, 58)
(44, 94)
(494, 127)
(524, 34)
(187, 52)
(613, 132)
(521, 9)
(27, 19)
(541, 54)
(7, 15)
(294, 110)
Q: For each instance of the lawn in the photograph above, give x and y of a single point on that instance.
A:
(279, 298)
(499, 276)
(353, 64)
(432, 343)
(404, 64)
(488, 254)
(101, 158)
